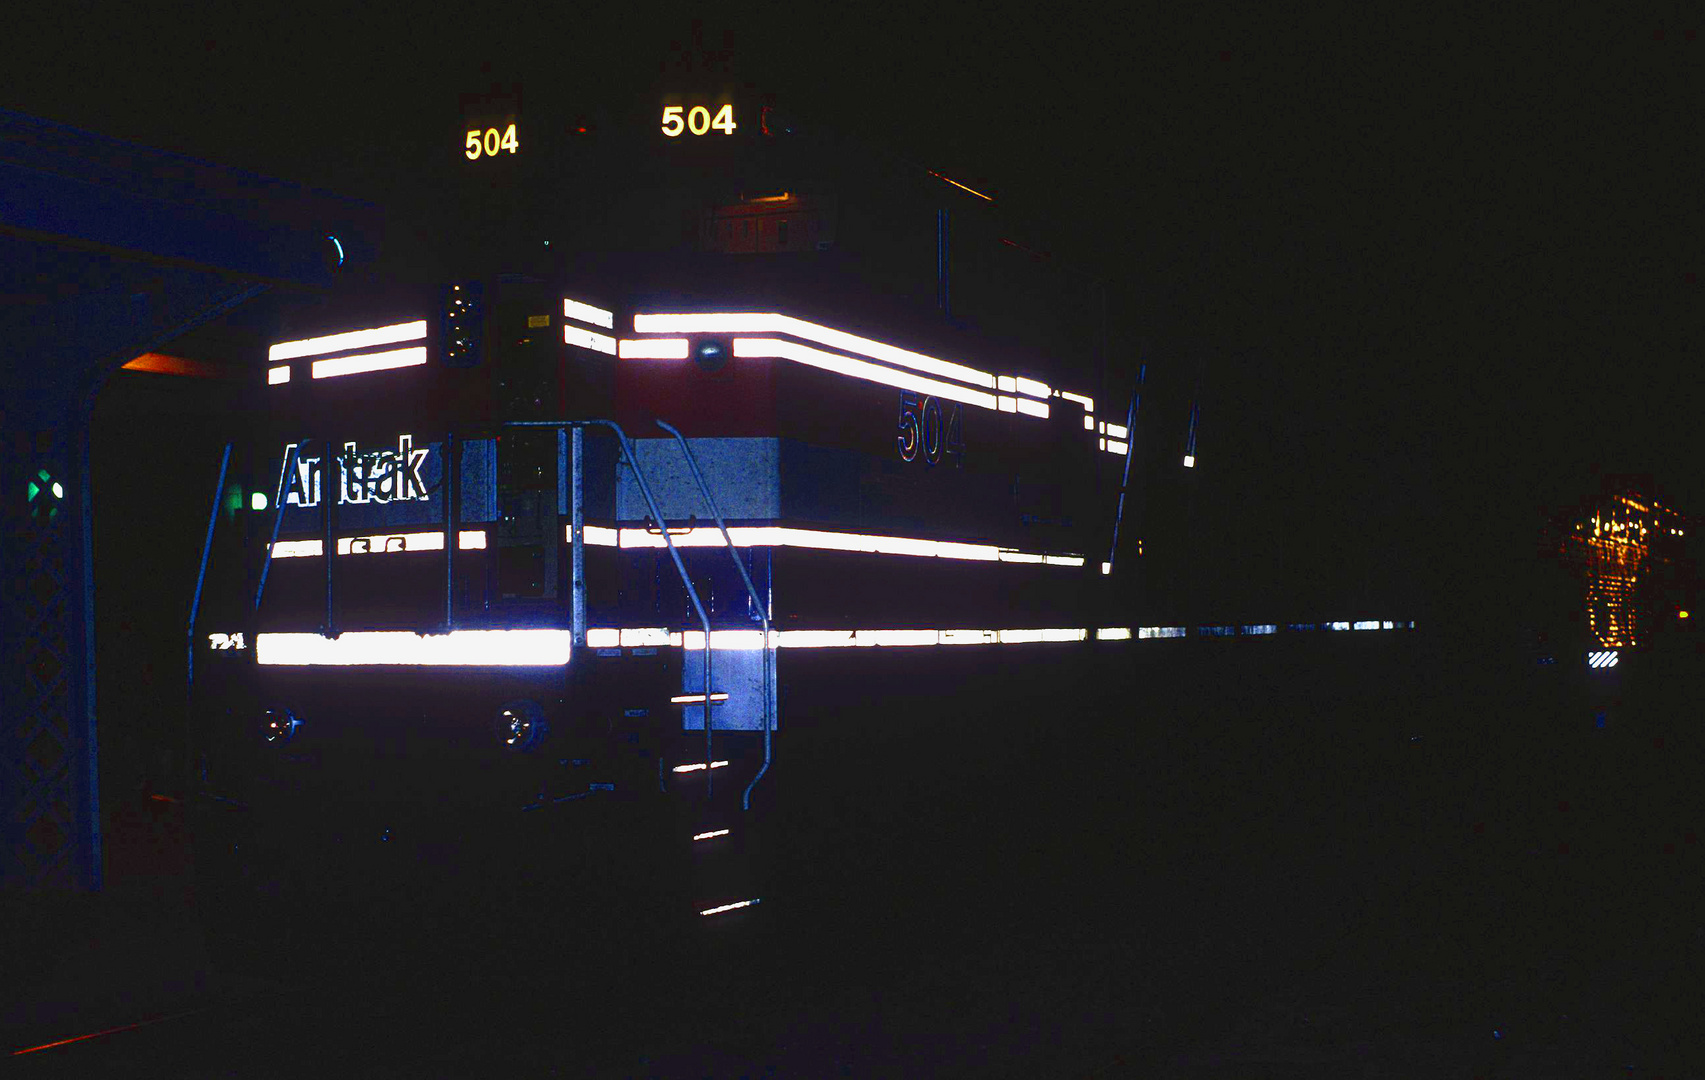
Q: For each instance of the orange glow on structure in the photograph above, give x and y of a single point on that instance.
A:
(108, 1031)
(958, 185)
(161, 364)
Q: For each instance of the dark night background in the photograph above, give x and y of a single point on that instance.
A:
(1434, 270)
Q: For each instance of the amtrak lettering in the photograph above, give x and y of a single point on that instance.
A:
(379, 476)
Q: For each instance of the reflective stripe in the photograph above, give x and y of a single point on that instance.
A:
(586, 339)
(380, 544)
(776, 348)
(586, 313)
(652, 349)
(821, 539)
(461, 648)
(727, 907)
(379, 361)
(353, 339)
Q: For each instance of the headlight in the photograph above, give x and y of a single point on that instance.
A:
(520, 726)
(278, 725)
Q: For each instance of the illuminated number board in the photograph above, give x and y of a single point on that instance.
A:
(681, 120)
(490, 142)
(924, 433)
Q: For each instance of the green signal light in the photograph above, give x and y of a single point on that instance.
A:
(35, 489)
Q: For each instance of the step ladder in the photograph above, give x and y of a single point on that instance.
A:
(720, 841)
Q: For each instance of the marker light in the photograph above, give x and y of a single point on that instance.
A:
(279, 374)
(586, 313)
(586, 339)
(1189, 461)
(698, 766)
(379, 361)
(354, 339)
(712, 354)
(709, 835)
(1681, 615)
(1106, 568)
(520, 726)
(858, 369)
(460, 648)
(742, 903)
(652, 349)
(339, 246)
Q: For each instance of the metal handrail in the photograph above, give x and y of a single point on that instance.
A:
(206, 546)
(757, 602)
(330, 494)
(1130, 453)
(683, 531)
(626, 445)
(277, 517)
(448, 485)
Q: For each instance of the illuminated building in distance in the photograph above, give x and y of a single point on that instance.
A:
(1628, 551)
